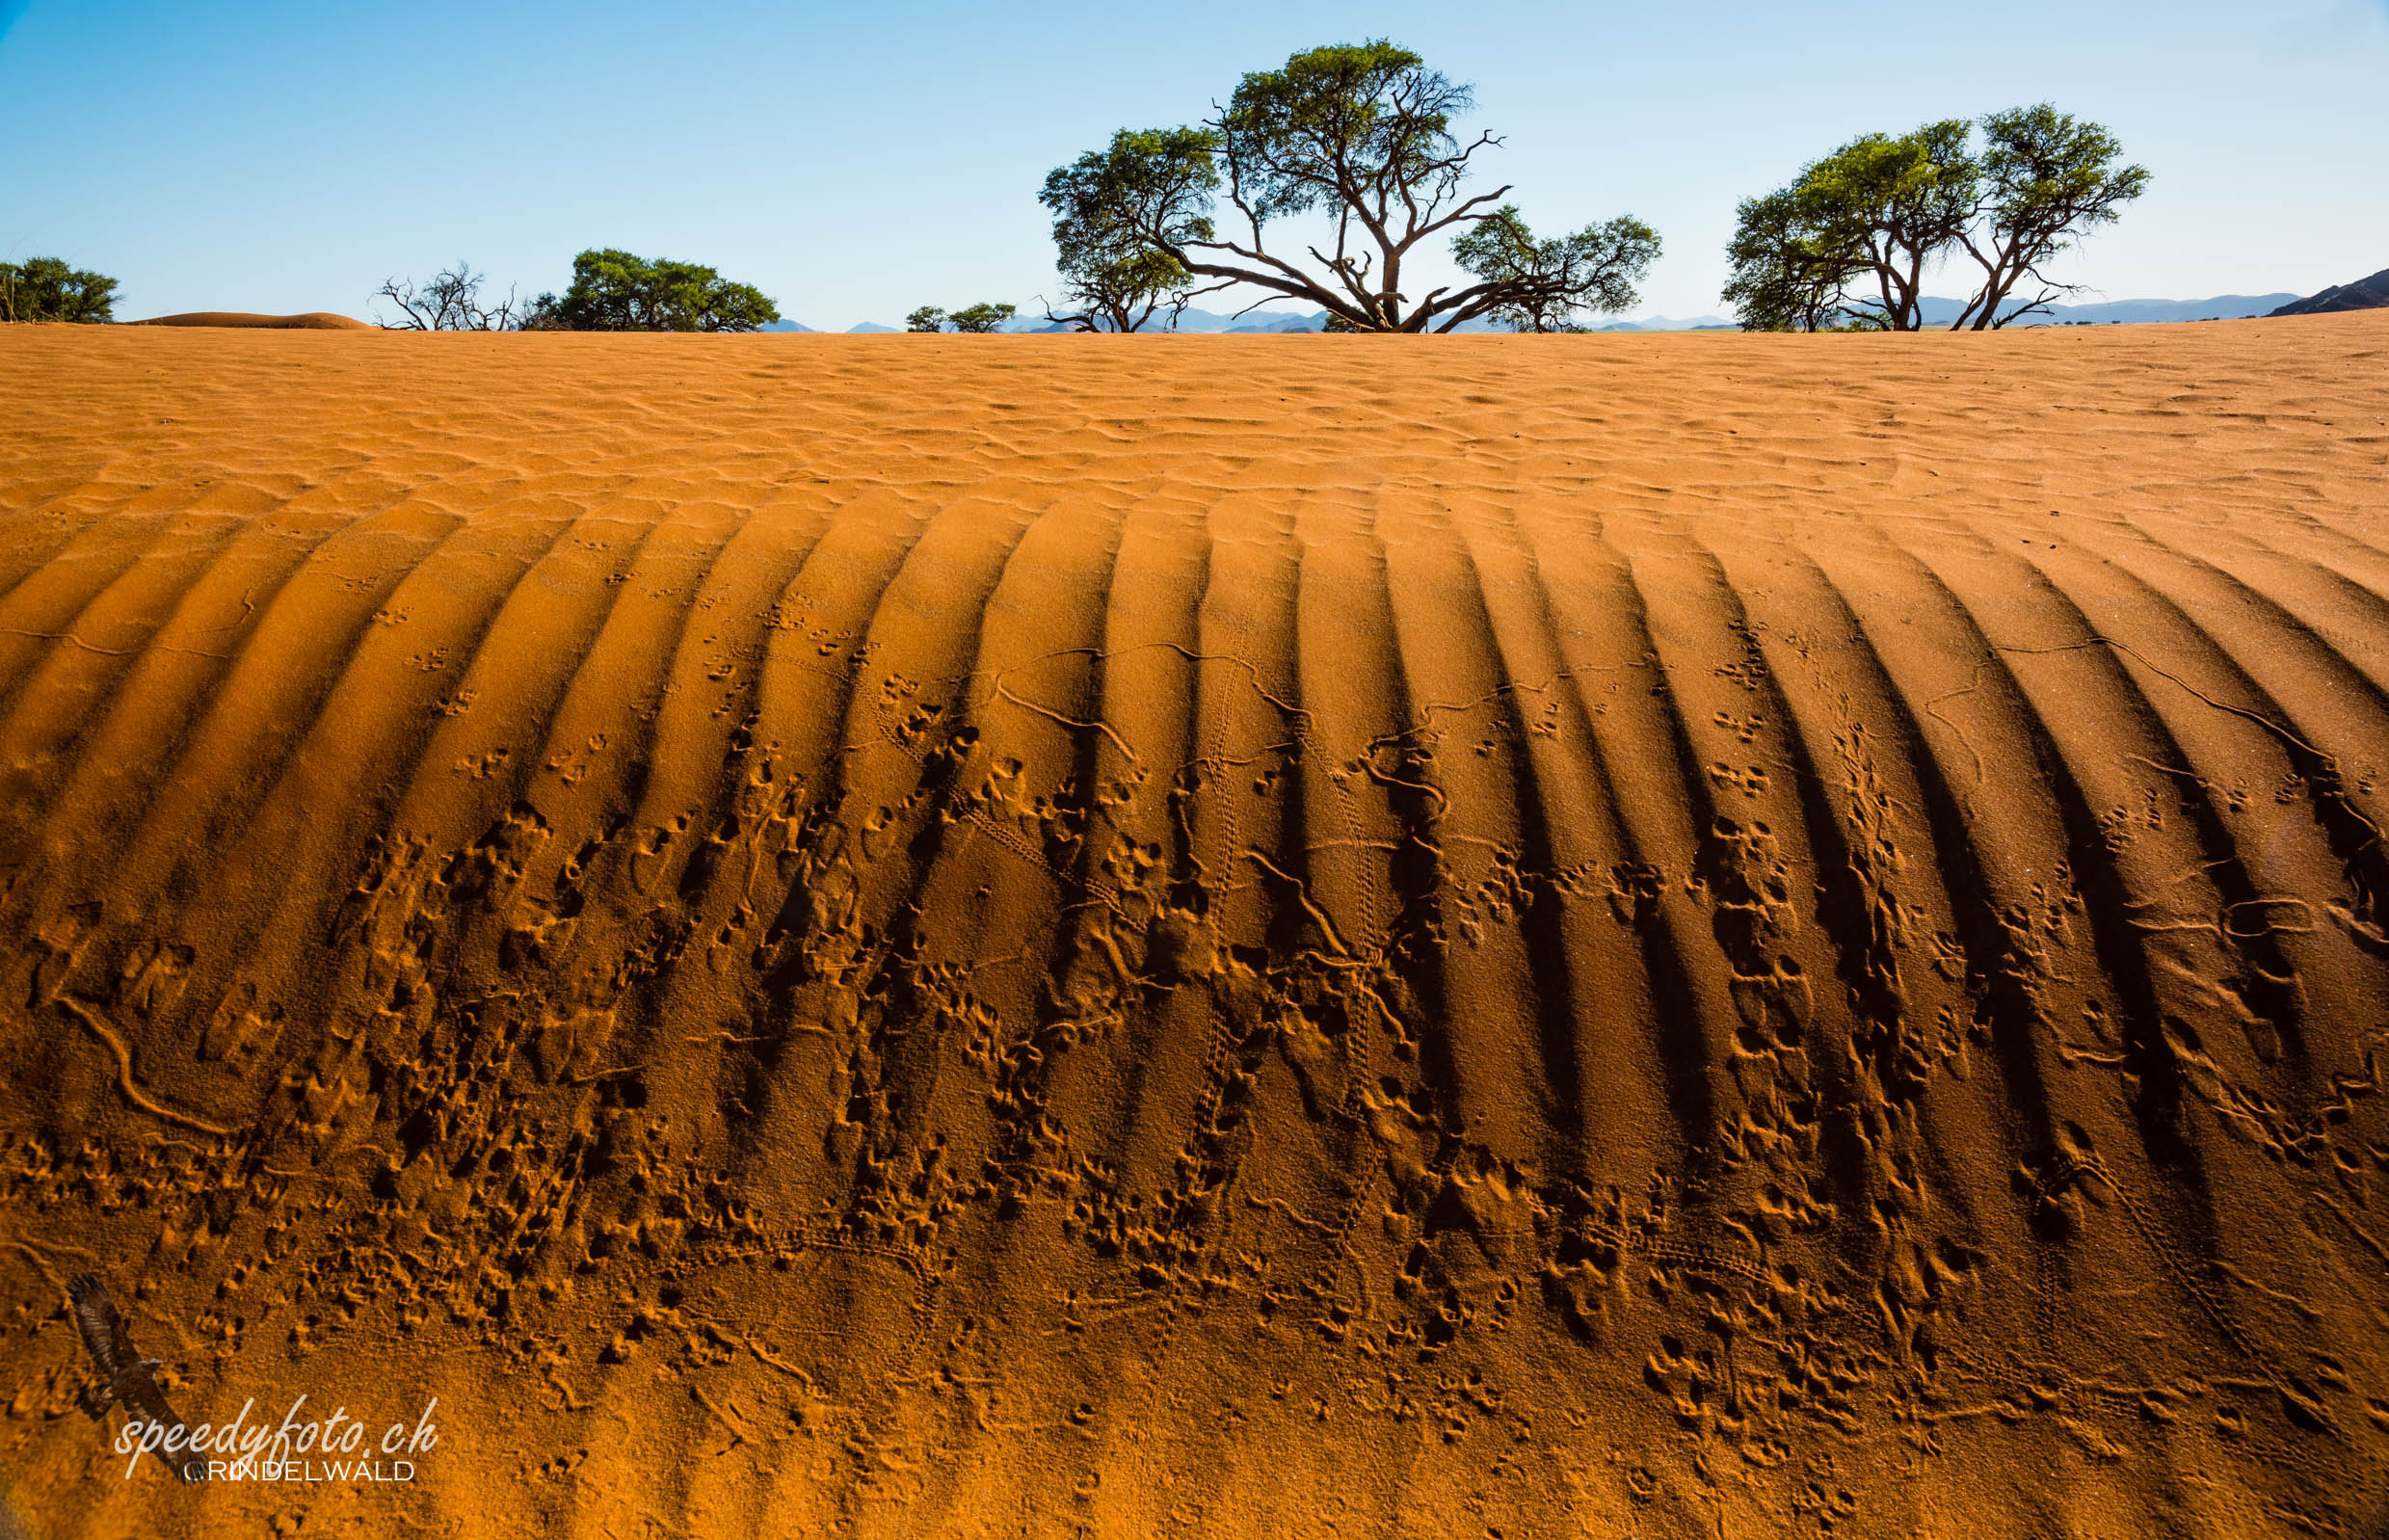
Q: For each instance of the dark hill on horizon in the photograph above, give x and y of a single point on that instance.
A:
(2364, 294)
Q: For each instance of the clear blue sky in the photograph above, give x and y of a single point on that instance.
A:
(855, 160)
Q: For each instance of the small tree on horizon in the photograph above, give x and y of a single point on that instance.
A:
(1361, 133)
(47, 288)
(613, 290)
(1883, 210)
(982, 318)
(975, 318)
(451, 302)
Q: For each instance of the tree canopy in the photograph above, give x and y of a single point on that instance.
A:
(1546, 280)
(46, 288)
(1785, 274)
(1881, 212)
(1117, 278)
(614, 291)
(1360, 134)
(2049, 179)
(981, 317)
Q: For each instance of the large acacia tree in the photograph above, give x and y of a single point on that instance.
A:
(615, 291)
(1362, 136)
(1851, 241)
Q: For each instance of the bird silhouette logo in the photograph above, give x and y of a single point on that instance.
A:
(126, 1375)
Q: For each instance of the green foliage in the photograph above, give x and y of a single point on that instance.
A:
(1544, 282)
(1787, 274)
(981, 318)
(1359, 133)
(1886, 208)
(2049, 178)
(1899, 202)
(1102, 204)
(614, 291)
(1369, 119)
(1123, 292)
(44, 288)
(978, 318)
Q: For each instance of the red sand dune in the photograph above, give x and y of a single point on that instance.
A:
(1526, 935)
(312, 321)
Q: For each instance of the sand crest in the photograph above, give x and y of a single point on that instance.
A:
(312, 321)
(1674, 935)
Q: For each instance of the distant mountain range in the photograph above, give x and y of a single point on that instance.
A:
(2124, 312)
(1206, 322)
(1192, 320)
(1663, 322)
(2362, 294)
(784, 326)
(1939, 312)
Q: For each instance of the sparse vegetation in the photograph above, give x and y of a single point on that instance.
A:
(451, 302)
(1359, 133)
(981, 318)
(45, 288)
(1883, 210)
(615, 291)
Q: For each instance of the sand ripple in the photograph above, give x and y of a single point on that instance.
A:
(1529, 936)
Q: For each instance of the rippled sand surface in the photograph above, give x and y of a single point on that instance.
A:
(1526, 936)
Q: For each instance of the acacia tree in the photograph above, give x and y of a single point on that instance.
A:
(2049, 179)
(45, 288)
(1116, 277)
(1896, 204)
(451, 302)
(1124, 218)
(1883, 210)
(1547, 280)
(614, 291)
(1359, 133)
(1785, 274)
(981, 317)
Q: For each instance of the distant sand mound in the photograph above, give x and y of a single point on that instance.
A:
(312, 321)
(1542, 936)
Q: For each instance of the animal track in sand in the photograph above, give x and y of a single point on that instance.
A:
(1139, 962)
